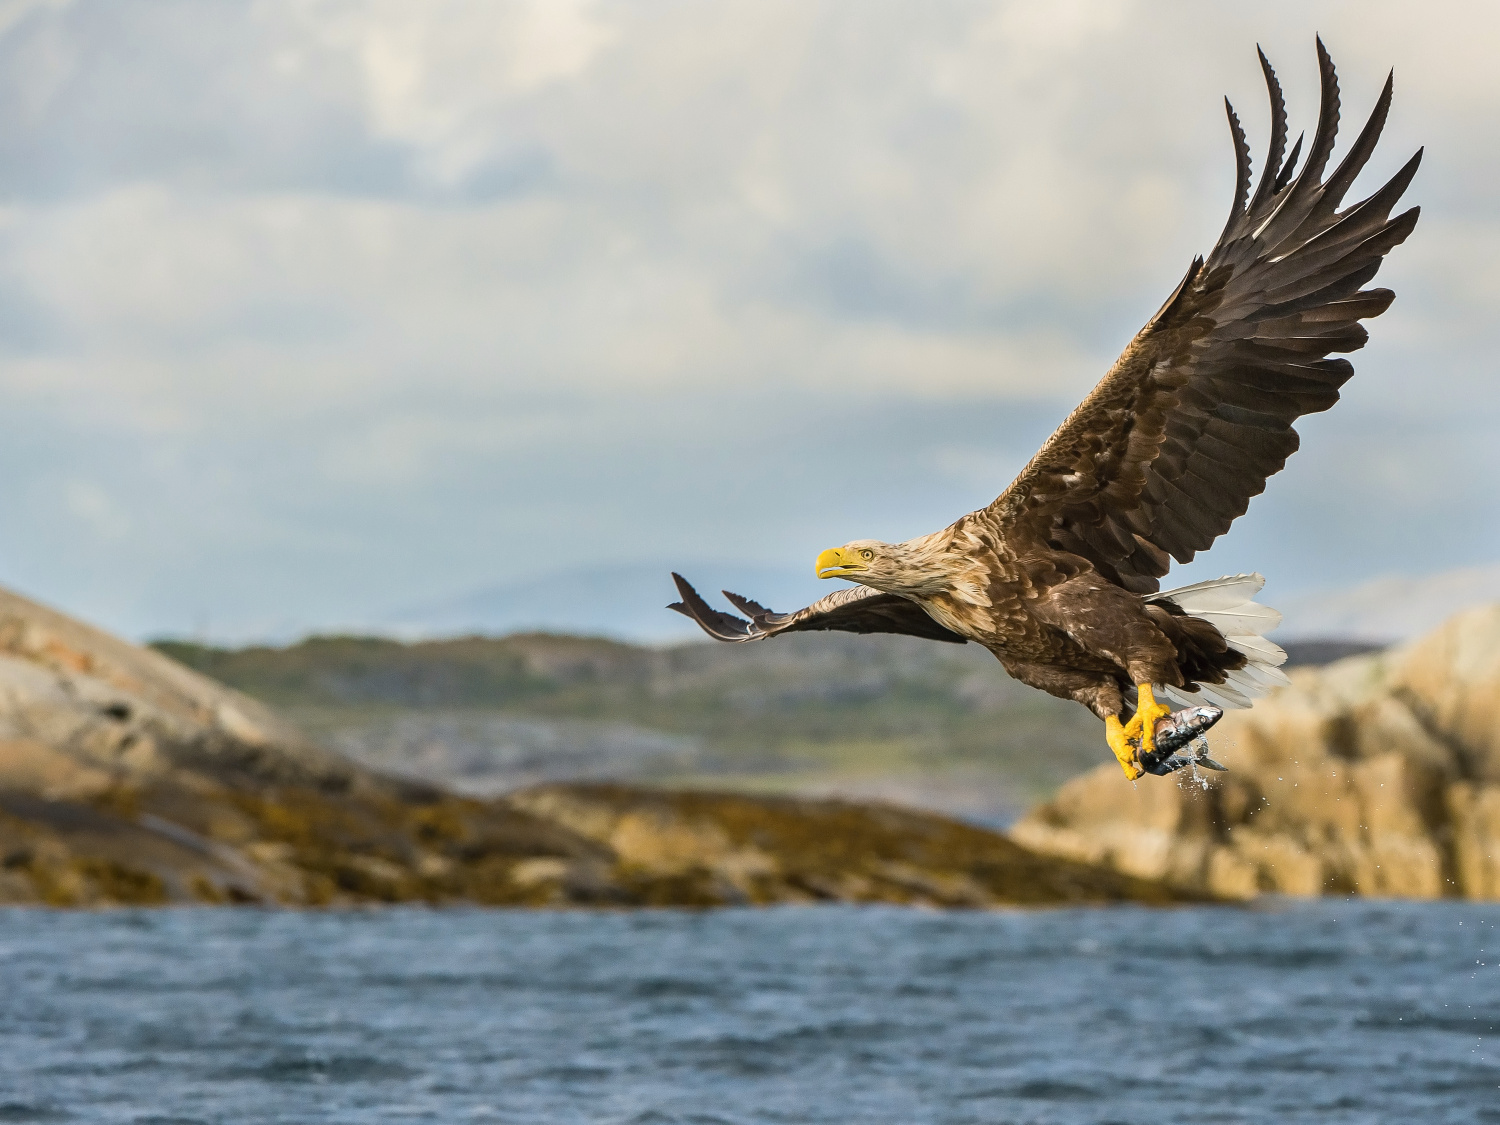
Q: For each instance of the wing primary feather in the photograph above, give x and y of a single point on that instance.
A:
(1307, 189)
(1382, 200)
(858, 609)
(745, 605)
(1340, 243)
(1343, 176)
(1291, 166)
(1271, 172)
(1241, 171)
(1372, 249)
(1328, 124)
(717, 624)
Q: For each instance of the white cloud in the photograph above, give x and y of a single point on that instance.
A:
(435, 77)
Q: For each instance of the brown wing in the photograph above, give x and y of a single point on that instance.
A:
(1197, 413)
(857, 609)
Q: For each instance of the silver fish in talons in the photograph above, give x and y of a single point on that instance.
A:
(1180, 741)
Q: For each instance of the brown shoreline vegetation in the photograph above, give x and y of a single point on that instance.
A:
(128, 779)
(556, 846)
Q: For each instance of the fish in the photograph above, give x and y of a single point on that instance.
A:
(1180, 741)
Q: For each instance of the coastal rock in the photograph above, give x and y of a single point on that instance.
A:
(1375, 775)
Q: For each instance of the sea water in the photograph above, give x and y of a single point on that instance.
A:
(1333, 1011)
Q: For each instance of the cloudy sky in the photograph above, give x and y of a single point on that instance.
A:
(311, 310)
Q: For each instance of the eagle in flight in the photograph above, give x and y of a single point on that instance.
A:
(1059, 577)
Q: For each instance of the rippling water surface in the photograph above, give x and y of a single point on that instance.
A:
(1324, 1012)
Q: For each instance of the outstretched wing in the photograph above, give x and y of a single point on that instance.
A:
(857, 609)
(1197, 413)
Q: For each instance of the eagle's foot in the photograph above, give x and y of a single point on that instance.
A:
(1148, 713)
(1124, 749)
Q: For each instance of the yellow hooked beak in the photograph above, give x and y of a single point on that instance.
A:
(836, 562)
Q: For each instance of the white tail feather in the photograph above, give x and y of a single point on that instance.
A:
(1266, 652)
(1254, 620)
(1227, 605)
(1217, 593)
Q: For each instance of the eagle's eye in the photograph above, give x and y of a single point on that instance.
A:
(868, 554)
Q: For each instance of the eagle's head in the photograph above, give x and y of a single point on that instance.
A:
(914, 567)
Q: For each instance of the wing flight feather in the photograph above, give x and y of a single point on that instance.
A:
(857, 609)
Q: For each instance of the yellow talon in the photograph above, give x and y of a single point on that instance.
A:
(1148, 713)
(1120, 743)
(1129, 740)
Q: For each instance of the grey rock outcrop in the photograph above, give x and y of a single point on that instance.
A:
(81, 710)
(1376, 775)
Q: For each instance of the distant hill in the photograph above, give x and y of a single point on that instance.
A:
(1314, 654)
(894, 717)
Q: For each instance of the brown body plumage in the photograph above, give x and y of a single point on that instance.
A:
(1059, 577)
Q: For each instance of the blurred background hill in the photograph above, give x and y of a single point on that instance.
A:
(937, 726)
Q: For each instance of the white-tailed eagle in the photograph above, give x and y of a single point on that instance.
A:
(1059, 576)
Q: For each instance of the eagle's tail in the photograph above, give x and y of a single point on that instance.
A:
(1253, 666)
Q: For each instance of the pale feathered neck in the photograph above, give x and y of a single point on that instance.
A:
(925, 566)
